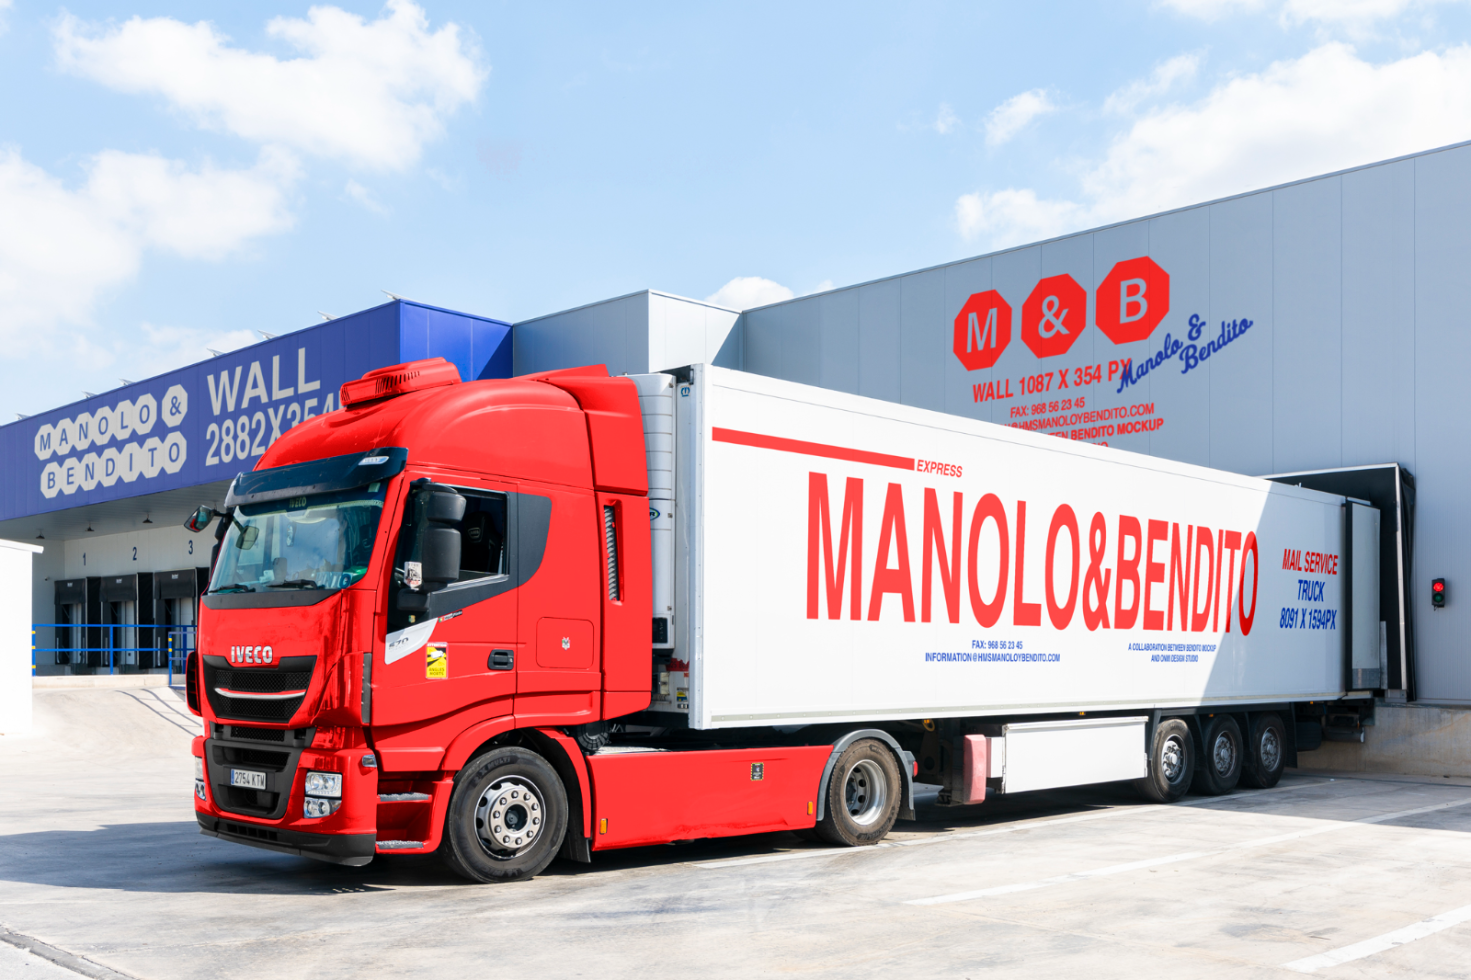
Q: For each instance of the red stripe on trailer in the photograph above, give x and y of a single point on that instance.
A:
(739, 438)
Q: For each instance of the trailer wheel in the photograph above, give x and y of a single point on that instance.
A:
(1171, 763)
(1265, 752)
(863, 795)
(506, 817)
(1219, 770)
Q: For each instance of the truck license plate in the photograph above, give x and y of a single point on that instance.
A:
(247, 778)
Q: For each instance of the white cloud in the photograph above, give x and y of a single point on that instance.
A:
(946, 120)
(1013, 115)
(1213, 9)
(371, 93)
(59, 247)
(1324, 111)
(363, 197)
(1343, 13)
(749, 292)
(1165, 77)
(1013, 216)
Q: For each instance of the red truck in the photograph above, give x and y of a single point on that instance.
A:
(509, 620)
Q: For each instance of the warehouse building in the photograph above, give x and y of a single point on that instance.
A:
(1314, 329)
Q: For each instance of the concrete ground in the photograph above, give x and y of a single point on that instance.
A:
(102, 870)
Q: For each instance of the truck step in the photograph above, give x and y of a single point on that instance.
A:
(400, 845)
(402, 798)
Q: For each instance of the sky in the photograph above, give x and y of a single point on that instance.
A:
(178, 177)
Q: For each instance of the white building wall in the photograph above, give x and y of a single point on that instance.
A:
(15, 636)
(163, 549)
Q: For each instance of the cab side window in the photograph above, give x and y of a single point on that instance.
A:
(483, 535)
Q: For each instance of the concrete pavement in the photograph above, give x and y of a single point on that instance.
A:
(100, 857)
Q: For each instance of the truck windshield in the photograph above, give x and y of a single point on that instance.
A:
(321, 541)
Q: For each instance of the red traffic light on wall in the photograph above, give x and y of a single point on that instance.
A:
(1437, 593)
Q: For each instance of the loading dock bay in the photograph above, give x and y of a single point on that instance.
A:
(103, 874)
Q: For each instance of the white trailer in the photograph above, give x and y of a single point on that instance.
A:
(1047, 612)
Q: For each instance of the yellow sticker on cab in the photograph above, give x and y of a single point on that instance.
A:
(436, 661)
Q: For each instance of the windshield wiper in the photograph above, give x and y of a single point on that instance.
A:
(295, 583)
(235, 588)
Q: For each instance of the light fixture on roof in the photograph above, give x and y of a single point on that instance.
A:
(390, 295)
(90, 394)
(216, 353)
(21, 418)
(325, 316)
(267, 336)
(127, 382)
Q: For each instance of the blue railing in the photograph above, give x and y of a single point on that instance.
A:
(175, 643)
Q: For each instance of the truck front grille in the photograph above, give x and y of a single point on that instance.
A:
(229, 688)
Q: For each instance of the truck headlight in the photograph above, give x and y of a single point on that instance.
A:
(198, 767)
(324, 784)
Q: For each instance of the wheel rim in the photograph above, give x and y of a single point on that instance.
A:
(508, 818)
(1172, 758)
(1223, 754)
(865, 792)
(1271, 750)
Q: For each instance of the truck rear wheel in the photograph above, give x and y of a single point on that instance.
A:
(1220, 768)
(863, 795)
(1171, 763)
(506, 817)
(1265, 752)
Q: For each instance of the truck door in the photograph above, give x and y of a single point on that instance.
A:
(560, 677)
(460, 652)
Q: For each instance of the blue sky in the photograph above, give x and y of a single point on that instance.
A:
(175, 176)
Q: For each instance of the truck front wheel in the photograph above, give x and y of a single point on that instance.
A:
(506, 817)
(863, 795)
(1171, 763)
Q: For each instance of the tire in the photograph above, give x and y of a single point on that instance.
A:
(1266, 752)
(1219, 769)
(1171, 763)
(506, 817)
(863, 795)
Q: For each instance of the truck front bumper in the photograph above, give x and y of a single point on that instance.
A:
(354, 850)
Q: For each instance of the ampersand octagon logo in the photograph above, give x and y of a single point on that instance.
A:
(982, 330)
(1132, 299)
(1054, 315)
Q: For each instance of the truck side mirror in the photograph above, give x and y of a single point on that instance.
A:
(444, 508)
(200, 519)
(440, 556)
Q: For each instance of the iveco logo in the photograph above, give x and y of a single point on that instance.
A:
(252, 655)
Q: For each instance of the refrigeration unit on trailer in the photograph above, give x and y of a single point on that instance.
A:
(438, 620)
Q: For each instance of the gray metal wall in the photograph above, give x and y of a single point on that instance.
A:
(633, 334)
(1357, 288)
